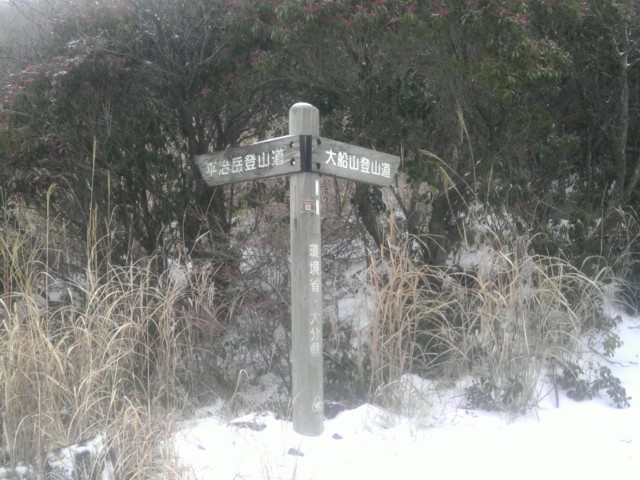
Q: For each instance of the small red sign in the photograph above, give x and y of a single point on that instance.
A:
(309, 206)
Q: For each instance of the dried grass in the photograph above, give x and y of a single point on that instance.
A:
(108, 354)
(501, 324)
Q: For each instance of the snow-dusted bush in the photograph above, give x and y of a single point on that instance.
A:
(501, 321)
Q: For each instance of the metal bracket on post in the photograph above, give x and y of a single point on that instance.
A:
(306, 146)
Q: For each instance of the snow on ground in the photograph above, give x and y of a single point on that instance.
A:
(436, 438)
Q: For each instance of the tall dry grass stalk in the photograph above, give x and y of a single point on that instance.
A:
(107, 353)
(402, 306)
(502, 323)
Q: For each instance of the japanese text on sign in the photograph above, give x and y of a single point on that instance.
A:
(315, 335)
(246, 163)
(358, 163)
(314, 267)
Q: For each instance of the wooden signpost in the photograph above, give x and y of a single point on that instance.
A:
(304, 156)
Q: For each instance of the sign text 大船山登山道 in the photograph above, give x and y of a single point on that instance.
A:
(330, 157)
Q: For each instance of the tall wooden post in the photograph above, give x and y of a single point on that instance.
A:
(303, 155)
(306, 279)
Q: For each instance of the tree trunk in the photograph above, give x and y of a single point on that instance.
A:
(441, 236)
(363, 200)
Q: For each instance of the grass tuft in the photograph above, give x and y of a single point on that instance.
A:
(109, 351)
(500, 324)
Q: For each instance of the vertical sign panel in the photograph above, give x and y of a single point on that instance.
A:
(306, 285)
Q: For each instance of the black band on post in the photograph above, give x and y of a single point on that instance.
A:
(305, 152)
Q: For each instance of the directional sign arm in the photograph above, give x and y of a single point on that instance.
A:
(343, 160)
(269, 158)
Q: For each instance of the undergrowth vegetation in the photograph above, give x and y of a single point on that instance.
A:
(91, 346)
(106, 350)
(506, 326)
